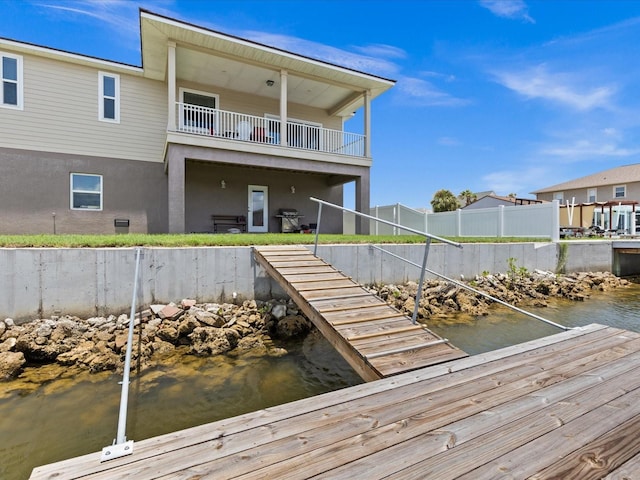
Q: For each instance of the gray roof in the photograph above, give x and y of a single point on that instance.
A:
(613, 176)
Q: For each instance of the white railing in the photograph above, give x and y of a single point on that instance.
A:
(213, 122)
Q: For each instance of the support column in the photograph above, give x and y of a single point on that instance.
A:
(362, 203)
(176, 191)
(283, 107)
(171, 86)
(367, 123)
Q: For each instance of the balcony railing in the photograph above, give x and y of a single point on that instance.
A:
(213, 122)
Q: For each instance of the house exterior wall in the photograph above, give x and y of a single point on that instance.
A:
(204, 195)
(61, 113)
(34, 185)
(604, 193)
(256, 105)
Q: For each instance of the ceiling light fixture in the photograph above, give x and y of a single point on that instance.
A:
(270, 83)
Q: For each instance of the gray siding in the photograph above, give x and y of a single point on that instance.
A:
(34, 185)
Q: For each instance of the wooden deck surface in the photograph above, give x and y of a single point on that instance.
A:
(376, 339)
(561, 407)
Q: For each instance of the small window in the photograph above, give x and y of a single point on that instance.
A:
(11, 75)
(86, 191)
(559, 196)
(109, 97)
(592, 195)
(620, 191)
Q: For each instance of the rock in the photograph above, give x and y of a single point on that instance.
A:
(3, 328)
(209, 319)
(279, 311)
(9, 322)
(11, 364)
(187, 303)
(209, 341)
(168, 334)
(188, 325)
(292, 326)
(156, 309)
(170, 312)
(8, 345)
(161, 347)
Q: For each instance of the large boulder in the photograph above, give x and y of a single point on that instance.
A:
(292, 326)
(11, 364)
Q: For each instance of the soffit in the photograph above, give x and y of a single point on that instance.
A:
(212, 58)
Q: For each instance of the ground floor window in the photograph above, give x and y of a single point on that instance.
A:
(86, 191)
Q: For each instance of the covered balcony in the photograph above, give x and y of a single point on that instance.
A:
(222, 124)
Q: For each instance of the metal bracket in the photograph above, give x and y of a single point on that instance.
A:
(117, 451)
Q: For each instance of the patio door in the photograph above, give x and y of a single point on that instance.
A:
(258, 220)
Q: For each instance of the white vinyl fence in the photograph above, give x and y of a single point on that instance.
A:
(539, 220)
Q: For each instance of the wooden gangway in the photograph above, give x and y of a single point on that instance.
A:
(376, 339)
(565, 406)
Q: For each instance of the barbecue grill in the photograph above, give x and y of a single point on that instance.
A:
(289, 220)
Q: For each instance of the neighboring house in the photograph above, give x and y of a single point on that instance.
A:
(488, 200)
(211, 124)
(607, 199)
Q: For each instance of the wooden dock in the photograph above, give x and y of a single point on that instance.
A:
(561, 407)
(376, 339)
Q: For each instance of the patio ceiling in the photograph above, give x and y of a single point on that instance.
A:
(212, 58)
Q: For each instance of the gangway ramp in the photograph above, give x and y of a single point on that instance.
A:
(376, 339)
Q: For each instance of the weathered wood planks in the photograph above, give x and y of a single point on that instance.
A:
(347, 314)
(565, 406)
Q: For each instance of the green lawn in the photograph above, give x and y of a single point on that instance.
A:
(201, 240)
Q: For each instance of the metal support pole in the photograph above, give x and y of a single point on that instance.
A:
(414, 318)
(315, 247)
(475, 290)
(121, 446)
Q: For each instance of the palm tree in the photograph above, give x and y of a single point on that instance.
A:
(444, 201)
(468, 197)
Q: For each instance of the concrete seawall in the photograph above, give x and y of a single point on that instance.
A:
(41, 282)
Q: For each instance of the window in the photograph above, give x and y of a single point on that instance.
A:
(11, 75)
(592, 195)
(198, 112)
(619, 191)
(86, 191)
(109, 97)
(559, 196)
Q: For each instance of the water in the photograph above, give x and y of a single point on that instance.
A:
(51, 413)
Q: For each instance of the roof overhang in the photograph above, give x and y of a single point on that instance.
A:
(213, 58)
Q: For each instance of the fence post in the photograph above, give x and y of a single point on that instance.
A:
(397, 219)
(500, 221)
(458, 222)
(555, 221)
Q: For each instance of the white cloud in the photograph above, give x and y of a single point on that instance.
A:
(448, 141)
(420, 93)
(445, 76)
(515, 181)
(562, 88)
(326, 53)
(380, 50)
(581, 149)
(516, 9)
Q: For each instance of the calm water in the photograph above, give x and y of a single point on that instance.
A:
(52, 414)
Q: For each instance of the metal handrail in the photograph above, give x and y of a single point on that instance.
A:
(474, 290)
(428, 236)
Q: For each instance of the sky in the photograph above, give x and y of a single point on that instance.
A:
(503, 95)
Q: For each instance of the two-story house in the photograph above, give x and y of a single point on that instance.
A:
(607, 198)
(210, 124)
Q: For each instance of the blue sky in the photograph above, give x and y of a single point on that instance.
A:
(509, 96)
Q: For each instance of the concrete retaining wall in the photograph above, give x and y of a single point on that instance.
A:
(39, 283)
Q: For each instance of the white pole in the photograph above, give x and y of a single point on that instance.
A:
(120, 446)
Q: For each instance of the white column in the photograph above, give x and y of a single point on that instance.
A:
(283, 107)
(171, 86)
(367, 123)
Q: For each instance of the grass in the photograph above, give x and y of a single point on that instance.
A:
(202, 240)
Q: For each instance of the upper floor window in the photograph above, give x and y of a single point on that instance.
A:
(11, 75)
(559, 196)
(592, 195)
(619, 191)
(86, 191)
(109, 97)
